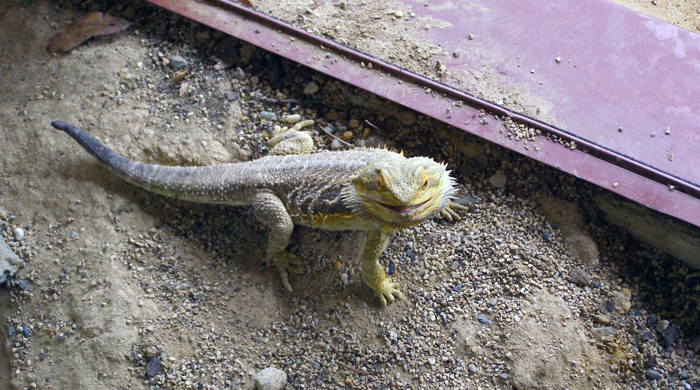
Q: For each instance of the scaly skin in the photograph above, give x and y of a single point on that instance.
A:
(374, 190)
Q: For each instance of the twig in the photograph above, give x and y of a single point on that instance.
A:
(330, 134)
(373, 126)
(363, 372)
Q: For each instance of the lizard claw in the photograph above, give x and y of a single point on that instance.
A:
(387, 292)
(287, 263)
(451, 213)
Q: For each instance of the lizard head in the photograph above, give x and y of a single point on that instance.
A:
(402, 192)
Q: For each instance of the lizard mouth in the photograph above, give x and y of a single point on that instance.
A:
(405, 210)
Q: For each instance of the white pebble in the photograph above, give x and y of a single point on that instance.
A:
(271, 378)
(267, 115)
(292, 118)
(344, 278)
(19, 234)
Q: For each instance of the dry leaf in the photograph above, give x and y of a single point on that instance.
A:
(179, 75)
(246, 3)
(82, 29)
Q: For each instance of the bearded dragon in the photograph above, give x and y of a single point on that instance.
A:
(370, 189)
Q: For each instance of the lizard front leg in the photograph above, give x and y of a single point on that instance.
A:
(451, 211)
(270, 210)
(373, 273)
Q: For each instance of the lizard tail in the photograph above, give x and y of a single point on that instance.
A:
(196, 184)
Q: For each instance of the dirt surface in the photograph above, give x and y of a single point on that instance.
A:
(119, 288)
(684, 14)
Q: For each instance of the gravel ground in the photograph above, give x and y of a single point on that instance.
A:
(119, 288)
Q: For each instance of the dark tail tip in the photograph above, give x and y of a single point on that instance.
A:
(62, 126)
(90, 144)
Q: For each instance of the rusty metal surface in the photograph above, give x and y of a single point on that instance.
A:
(618, 69)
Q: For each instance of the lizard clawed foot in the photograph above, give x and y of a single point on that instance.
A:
(451, 212)
(387, 291)
(287, 263)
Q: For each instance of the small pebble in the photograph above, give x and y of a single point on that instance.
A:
(498, 180)
(344, 278)
(178, 62)
(457, 287)
(504, 376)
(231, 95)
(398, 14)
(270, 378)
(316, 365)
(335, 144)
(670, 336)
(653, 374)
(610, 306)
(431, 361)
(472, 368)
(153, 367)
(454, 265)
(648, 336)
(558, 59)
(482, 319)
(19, 233)
(291, 119)
(25, 332)
(602, 319)
(239, 74)
(390, 270)
(311, 88)
(337, 264)
(578, 277)
(267, 115)
(347, 136)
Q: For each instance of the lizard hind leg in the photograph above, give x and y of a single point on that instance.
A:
(292, 141)
(271, 212)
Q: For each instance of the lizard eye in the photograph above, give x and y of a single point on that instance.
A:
(425, 184)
